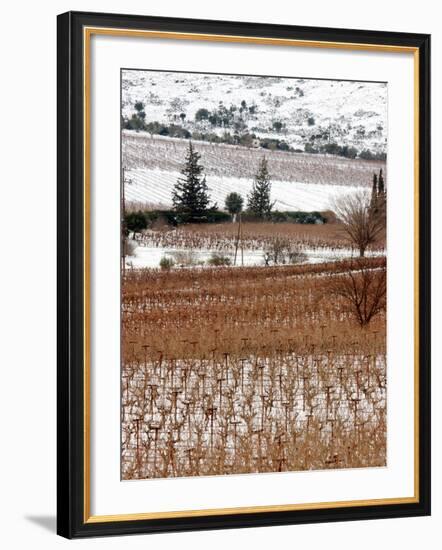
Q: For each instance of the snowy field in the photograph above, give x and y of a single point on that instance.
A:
(155, 186)
(150, 256)
(142, 151)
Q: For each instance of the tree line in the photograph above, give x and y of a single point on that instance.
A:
(362, 216)
(223, 118)
(191, 198)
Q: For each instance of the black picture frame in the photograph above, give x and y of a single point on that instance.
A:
(72, 521)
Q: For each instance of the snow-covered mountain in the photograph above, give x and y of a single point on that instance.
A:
(296, 110)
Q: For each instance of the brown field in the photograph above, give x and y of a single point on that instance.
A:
(255, 236)
(255, 369)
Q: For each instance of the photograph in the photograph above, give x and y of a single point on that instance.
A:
(253, 274)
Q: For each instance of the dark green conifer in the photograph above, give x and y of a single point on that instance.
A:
(190, 195)
(259, 202)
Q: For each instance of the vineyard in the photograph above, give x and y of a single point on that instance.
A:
(252, 369)
(153, 189)
(253, 275)
(142, 151)
(299, 181)
(195, 244)
(255, 236)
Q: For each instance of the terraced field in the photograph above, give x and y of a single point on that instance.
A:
(299, 181)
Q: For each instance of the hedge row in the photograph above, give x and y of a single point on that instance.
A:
(137, 221)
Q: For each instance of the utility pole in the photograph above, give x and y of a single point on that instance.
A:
(242, 244)
(237, 241)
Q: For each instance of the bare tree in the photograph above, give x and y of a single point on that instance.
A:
(363, 288)
(283, 251)
(363, 222)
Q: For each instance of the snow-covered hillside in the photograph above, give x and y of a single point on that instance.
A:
(141, 151)
(309, 111)
(154, 187)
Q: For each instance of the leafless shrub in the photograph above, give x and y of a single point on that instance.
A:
(277, 250)
(296, 256)
(363, 289)
(216, 259)
(362, 223)
(185, 258)
(282, 250)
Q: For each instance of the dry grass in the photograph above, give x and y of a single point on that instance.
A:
(235, 370)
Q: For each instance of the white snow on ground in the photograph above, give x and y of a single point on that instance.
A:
(150, 256)
(155, 186)
(354, 113)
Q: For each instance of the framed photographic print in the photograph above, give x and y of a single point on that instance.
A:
(234, 347)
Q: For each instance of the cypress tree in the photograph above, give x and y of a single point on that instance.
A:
(381, 184)
(374, 192)
(190, 195)
(259, 198)
(382, 194)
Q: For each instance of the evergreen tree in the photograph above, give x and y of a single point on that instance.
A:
(259, 198)
(378, 194)
(374, 192)
(382, 194)
(190, 195)
(381, 184)
(140, 114)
